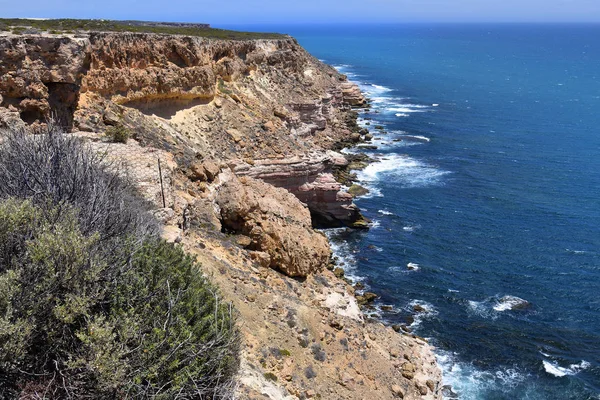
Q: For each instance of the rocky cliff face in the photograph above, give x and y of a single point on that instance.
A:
(262, 100)
(245, 131)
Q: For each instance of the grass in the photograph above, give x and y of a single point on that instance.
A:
(61, 26)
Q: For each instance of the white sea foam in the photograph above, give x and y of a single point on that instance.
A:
(418, 137)
(373, 191)
(344, 251)
(469, 382)
(404, 170)
(396, 269)
(435, 105)
(577, 251)
(428, 311)
(384, 212)
(510, 303)
(406, 109)
(402, 115)
(554, 369)
(410, 228)
(381, 88)
(413, 266)
(481, 309)
(492, 307)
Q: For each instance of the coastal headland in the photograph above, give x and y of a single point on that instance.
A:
(246, 133)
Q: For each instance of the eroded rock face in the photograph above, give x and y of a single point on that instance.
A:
(352, 95)
(43, 76)
(277, 224)
(267, 102)
(40, 76)
(310, 179)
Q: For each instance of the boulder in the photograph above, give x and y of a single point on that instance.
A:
(277, 222)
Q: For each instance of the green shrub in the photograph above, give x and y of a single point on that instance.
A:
(118, 133)
(150, 326)
(92, 303)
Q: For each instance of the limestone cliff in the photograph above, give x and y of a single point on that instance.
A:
(235, 101)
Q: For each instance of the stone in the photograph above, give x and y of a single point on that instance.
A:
(235, 134)
(310, 178)
(346, 379)
(263, 259)
(171, 234)
(338, 272)
(203, 171)
(196, 173)
(211, 170)
(164, 214)
(111, 117)
(422, 389)
(448, 393)
(280, 112)
(397, 391)
(430, 384)
(352, 94)
(357, 190)
(419, 308)
(408, 370)
(369, 297)
(269, 126)
(243, 240)
(336, 324)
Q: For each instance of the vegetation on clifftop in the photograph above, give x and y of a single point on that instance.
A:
(70, 26)
(94, 306)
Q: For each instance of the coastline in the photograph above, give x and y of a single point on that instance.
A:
(221, 136)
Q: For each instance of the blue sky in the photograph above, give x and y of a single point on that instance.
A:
(306, 11)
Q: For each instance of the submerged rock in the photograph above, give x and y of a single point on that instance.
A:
(358, 190)
(512, 303)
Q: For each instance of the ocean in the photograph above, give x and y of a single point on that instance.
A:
(484, 196)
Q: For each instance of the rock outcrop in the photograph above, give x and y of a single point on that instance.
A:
(276, 223)
(310, 178)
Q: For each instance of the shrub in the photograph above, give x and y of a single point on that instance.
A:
(53, 170)
(152, 327)
(118, 133)
(78, 318)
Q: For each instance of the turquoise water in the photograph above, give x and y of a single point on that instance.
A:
(488, 185)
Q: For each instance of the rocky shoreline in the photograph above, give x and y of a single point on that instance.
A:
(247, 133)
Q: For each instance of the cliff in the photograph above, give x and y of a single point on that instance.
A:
(246, 131)
(198, 98)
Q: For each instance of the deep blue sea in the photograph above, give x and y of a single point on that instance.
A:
(486, 185)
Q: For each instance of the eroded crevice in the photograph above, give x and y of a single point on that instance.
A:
(63, 99)
(166, 107)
